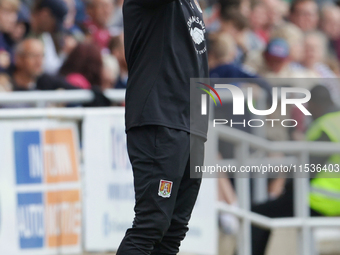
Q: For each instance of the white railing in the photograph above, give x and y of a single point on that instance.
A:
(41, 98)
(54, 113)
(302, 219)
(243, 141)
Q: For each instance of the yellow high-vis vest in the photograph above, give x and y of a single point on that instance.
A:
(324, 195)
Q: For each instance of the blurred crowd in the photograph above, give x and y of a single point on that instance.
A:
(286, 42)
(61, 44)
(277, 38)
(280, 43)
(51, 44)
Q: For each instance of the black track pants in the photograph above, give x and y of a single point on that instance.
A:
(164, 192)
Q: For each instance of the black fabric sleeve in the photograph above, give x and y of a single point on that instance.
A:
(152, 3)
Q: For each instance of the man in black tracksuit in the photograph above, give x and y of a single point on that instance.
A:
(165, 46)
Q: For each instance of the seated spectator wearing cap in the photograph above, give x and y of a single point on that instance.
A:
(275, 62)
(99, 12)
(304, 14)
(8, 20)
(28, 71)
(46, 24)
(276, 57)
(295, 39)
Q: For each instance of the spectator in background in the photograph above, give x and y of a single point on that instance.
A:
(83, 67)
(116, 22)
(18, 32)
(28, 73)
(314, 61)
(315, 47)
(81, 12)
(275, 62)
(73, 33)
(110, 72)
(305, 14)
(221, 61)
(258, 20)
(222, 51)
(73, 30)
(71, 14)
(330, 20)
(100, 12)
(211, 16)
(295, 39)
(22, 26)
(276, 10)
(245, 7)
(46, 24)
(8, 14)
(232, 22)
(116, 47)
(29, 57)
(8, 20)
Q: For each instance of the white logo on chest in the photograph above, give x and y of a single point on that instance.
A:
(197, 35)
(196, 29)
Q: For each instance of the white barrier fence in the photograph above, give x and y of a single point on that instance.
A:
(109, 223)
(49, 206)
(302, 219)
(41, 98)
(40, 187)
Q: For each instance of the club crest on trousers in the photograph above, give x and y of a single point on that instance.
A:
(165, 188)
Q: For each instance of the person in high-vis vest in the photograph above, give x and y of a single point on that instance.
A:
(325, 186)
(324, 194)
